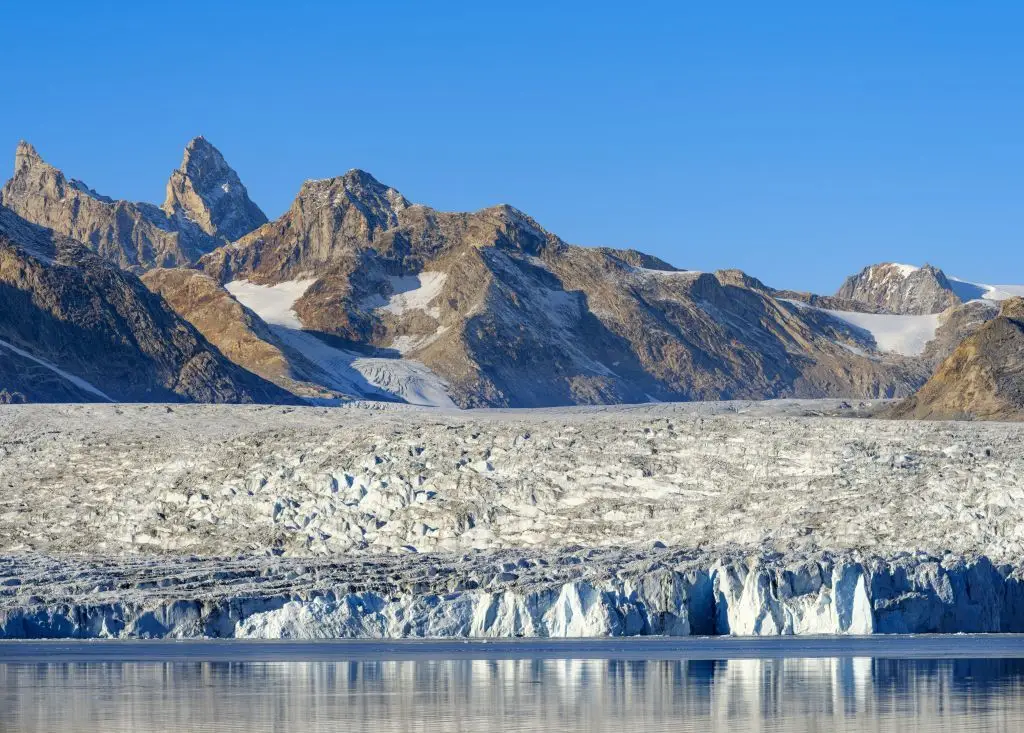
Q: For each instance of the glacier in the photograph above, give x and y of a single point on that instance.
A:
(383, 521)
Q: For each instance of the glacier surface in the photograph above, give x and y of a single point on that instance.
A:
(392, 521)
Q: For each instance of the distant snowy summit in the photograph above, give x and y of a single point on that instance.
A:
(357, 293)
(895, 288)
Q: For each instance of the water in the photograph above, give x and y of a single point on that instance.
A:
(790, 685)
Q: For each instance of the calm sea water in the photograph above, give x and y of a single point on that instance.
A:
(473, 688)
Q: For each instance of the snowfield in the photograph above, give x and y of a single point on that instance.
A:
(968, 291)
(752, 518)
(897, 334)
(275, 304)
(348, 371)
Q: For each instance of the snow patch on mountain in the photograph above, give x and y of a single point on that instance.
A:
(906, 335)
(415, 293)
(77, 381)
(968, 291)
(408, 293)
(904, 270)
(343, 370)
(672, 274)
(275, 304)
(406, 343)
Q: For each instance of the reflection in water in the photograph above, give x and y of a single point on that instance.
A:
(839, 694)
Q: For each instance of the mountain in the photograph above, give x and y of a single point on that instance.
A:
(902, 289)
(505, 313)
(983, 378)
(357, 292)
(205, 206)
(207, 191)
(74, 327)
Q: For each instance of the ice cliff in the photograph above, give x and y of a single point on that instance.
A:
(569, 594)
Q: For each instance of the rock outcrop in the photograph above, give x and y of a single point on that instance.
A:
(74, 327)
(902, 289)
(982, 379)
(134, 236)
(207, 191)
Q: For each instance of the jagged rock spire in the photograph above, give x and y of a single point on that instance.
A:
(25, 156)
(206, 190)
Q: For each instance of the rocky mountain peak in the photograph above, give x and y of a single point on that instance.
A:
(891, 287)
(207, 191)
(33, 176)
(25, 157)
(377, 203)
(364, 187)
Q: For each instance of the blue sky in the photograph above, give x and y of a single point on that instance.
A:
(797, 141)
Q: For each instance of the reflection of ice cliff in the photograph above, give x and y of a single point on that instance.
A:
(539, 694)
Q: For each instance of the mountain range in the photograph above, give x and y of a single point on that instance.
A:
(357, 293)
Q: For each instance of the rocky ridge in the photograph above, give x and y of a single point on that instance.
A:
(507, 314)
(206, 205)
(356, 292)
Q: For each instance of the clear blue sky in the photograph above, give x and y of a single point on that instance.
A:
(798, 141)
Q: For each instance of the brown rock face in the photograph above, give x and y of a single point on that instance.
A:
(982, 379)
(206, 190)
(74, 327)
(514, 316)
(893, 288)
